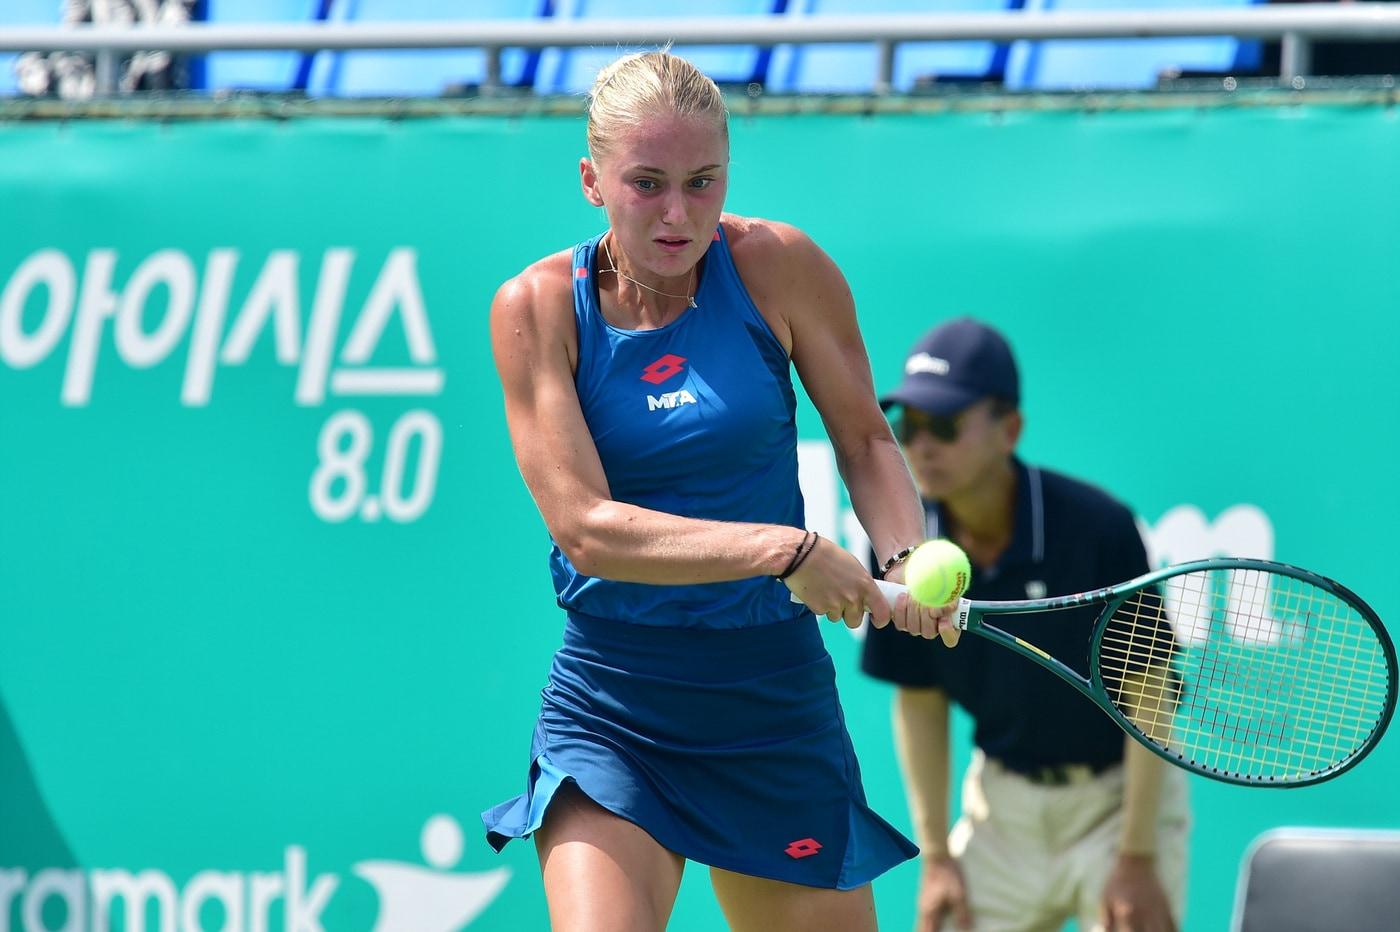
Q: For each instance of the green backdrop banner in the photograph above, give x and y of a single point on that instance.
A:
(276, 611)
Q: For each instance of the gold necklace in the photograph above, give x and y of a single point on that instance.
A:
(689, 298)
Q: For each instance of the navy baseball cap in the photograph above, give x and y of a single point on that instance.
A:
(953, 365)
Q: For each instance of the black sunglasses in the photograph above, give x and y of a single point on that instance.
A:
(943, 427)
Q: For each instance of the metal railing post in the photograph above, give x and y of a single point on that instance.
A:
(492, 82)
(105, 70)
(884, 74)
(1295, 57)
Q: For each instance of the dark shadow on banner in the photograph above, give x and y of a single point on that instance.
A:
(29, 839)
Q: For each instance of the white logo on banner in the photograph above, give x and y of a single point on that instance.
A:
(1184, 534)
(412, 898)
(169, 297)
(417, 899)
(198, 305)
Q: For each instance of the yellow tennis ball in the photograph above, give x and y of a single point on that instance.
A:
(937, 573)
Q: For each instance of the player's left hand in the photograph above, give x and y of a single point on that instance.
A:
(1133, 898)
(922, 620)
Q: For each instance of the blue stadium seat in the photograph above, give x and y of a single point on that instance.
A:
(423, 72)
(1127, 64)
(24, 13)
(571, 71)
(846, 69)
(259, 71)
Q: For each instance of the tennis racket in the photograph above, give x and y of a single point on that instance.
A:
(1245, 671)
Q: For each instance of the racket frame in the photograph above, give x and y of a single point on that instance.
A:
(971, 614)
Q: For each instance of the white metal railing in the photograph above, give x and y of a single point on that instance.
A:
(1296, 26)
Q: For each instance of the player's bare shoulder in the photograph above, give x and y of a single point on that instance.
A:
(533, 311)
(759, 243)
(784, 271)
(541, 287)
(772, 254)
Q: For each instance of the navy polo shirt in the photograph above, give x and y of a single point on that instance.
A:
(1069, 537)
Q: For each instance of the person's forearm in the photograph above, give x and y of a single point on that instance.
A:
(1142, 793)
(921, 739)
(615, 540)
(883, 495)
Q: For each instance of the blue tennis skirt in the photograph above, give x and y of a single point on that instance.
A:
(728, 747)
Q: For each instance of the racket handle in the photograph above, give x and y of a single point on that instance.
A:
(891, 591)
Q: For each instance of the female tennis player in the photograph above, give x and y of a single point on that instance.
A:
(691, 713)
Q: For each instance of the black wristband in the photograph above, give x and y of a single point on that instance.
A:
(796, 556)
(801, 556)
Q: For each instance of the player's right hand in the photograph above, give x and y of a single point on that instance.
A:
(833, 583)
(941, 893)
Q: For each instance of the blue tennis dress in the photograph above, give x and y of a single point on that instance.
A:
(706, 714)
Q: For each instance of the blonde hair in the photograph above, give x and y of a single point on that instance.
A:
(636, 86)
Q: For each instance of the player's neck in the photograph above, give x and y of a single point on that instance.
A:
(982, 517)
(639, 299)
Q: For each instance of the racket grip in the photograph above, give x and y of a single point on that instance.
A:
(890, 589)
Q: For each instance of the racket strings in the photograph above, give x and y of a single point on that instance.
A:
(1257, 675)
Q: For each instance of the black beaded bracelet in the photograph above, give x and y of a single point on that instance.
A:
(799, 554)
(803, 555)
(796, 556)
(897, 559)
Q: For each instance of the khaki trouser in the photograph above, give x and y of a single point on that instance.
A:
(1033, 855)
